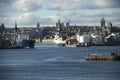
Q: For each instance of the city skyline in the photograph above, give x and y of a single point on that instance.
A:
(47, 12)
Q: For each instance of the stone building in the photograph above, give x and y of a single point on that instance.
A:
(106, 30)
(2, 28)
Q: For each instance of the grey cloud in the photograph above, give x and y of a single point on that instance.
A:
(77, 11)
(6, 1)
(5, 7)
(31, 19)
(27, 5)
(83, 4)
(90, 16)
(107, 3)
(8, 21)
(27, 19)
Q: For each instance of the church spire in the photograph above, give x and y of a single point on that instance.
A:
(102, 22)
(16, 27)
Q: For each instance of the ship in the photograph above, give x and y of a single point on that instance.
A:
(113, 56)
(59, 40)
(83, 40)
(71, 42)
(23, 40)
(17, 41)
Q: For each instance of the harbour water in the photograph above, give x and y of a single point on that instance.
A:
(50, 62)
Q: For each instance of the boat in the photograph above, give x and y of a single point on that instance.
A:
(113, 56)
(25, 44)
(83, 40)
(59, 40)
(24, 41)
(17, 41)
(71, 42)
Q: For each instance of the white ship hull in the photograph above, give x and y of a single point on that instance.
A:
(59, 42)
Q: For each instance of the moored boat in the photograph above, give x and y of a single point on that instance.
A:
(24, 41)
(59, 40)
(71, 42)
(113, 56)
(83, 40)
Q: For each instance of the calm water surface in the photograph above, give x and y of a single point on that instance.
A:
(50, 62)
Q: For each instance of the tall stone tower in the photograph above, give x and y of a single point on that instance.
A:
(102, 22)
(58, 26)
(2, 28)
(38, 25)
(16, 29)
(110, 24)
(68, 25)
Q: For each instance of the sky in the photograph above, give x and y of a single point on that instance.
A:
(47, 12)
